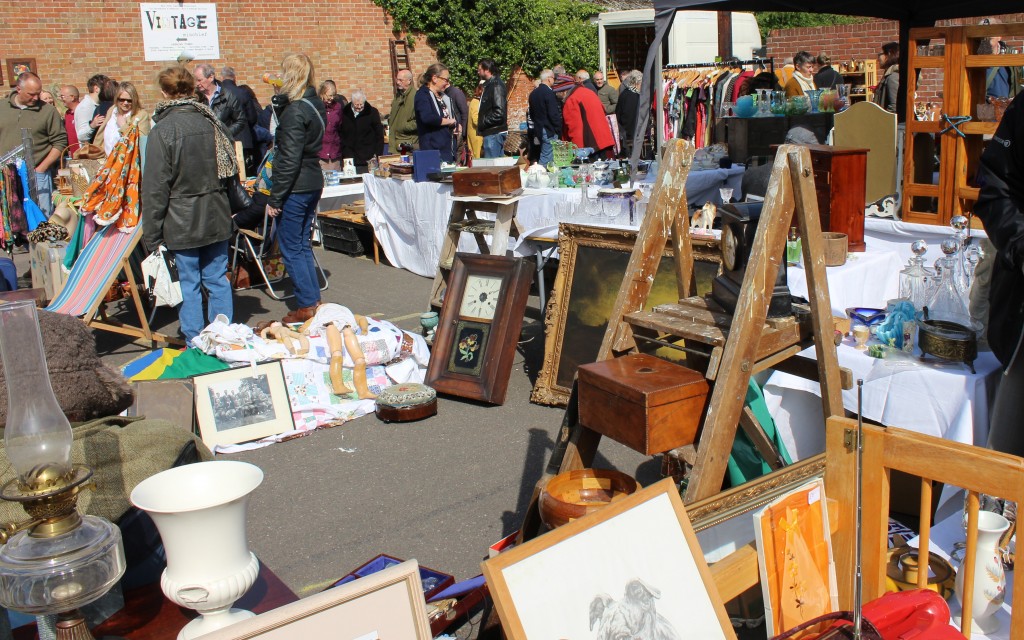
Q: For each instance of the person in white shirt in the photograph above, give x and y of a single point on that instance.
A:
(87, 121)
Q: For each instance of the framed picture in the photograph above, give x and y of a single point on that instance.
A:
(633, 569)
(383, 605)
(476, 337)
(18, 66)
(243, 404)
(592, 264)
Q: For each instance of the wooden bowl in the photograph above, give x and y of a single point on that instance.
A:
(574, 494)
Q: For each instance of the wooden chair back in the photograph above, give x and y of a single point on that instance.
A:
(975, 469)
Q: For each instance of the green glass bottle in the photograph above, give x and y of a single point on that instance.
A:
(794, 248)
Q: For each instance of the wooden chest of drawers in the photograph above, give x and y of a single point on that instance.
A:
(840, 178)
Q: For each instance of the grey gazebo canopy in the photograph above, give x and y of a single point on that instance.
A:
(909, 13)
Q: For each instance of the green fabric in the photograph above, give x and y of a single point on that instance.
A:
(192, 363)
(74, 248)
(746, 463)
(122, 452)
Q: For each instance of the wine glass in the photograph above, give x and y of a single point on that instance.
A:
(726, 193)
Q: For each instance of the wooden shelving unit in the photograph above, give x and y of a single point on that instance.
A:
(865, 77)
(942, 59)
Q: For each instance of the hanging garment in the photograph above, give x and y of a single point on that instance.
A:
(113, 197)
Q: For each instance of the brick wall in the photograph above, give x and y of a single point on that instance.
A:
(346, 39)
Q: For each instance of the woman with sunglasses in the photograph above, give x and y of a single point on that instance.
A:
(127, 110)
(435, 120)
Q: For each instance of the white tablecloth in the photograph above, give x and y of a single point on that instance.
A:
(885, 234)
(943, 400)
(868, 279)
(409, 218)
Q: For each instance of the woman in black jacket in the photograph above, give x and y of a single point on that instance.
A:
(297, 180)
(362, 134)
(184, 203)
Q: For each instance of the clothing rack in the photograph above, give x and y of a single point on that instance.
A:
(24, 152)
(720, 63)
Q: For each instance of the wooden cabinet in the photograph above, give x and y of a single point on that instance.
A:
(946, 75)
(840, 177)
(860, 75)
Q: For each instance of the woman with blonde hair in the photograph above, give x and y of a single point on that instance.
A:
(127, 110)
(298, 180)
(435, 119)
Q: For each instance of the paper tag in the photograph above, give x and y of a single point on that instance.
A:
(814, 495)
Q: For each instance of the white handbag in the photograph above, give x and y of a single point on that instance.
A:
(161, 278)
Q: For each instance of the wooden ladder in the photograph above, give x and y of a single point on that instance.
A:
(463, 219)
(399, 58)
(738, 344)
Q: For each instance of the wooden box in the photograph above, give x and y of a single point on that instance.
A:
(491, 182)
(646, 403)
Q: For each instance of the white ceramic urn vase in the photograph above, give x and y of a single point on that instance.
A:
(200, 510)
(989, 589)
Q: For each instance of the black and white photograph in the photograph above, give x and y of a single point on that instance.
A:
(242, 404)
(238, 403)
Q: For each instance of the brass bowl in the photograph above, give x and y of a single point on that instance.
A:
(574, 494)
(948, 341)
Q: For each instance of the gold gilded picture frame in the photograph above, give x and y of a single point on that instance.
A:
(383, 605)
(592, 264)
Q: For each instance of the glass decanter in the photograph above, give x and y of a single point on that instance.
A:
(915, 278)
(947, 302)
(960, 270)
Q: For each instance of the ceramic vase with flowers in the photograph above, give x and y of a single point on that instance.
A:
(989, 588)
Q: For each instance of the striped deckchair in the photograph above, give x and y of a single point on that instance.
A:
(95, 270)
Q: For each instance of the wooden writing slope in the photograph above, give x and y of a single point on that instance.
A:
(733, 346)
(463, 219)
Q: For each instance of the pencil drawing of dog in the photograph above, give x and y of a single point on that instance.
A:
(634, 617)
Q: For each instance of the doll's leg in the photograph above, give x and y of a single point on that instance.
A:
(359, 373)
(334, 343)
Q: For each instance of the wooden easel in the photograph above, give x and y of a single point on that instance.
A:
(463, 219)
(740, 344)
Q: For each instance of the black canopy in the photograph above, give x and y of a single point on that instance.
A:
(909, 13)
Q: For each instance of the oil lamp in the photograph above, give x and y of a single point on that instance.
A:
(57, 560)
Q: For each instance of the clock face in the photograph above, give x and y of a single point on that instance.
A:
(728, 248)
(480, 299)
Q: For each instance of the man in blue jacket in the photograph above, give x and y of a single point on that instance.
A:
(546, 114)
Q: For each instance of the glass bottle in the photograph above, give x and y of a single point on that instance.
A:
(960, 267)
(915, 278)
(947, 303)
(794, 248)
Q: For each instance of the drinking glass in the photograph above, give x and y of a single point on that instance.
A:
(726, 193)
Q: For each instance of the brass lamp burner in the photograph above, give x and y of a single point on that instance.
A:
(50, 501)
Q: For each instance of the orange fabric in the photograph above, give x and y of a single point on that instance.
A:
(113, 196)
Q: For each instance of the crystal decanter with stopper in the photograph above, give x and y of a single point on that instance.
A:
(915, 277)
(948, 302)
(960, 270)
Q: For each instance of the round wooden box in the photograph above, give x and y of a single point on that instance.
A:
(406, 402)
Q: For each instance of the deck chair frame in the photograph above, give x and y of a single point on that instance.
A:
(245, 243)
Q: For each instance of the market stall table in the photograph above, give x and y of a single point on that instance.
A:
(944, 400)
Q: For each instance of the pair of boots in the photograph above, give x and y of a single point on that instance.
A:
(299, 315)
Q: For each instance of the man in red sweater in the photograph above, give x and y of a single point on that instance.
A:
(584, 122)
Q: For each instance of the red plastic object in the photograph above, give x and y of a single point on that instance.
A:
(907, 615)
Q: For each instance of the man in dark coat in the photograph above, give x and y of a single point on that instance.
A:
(222, 102)
(460, 108)
(999, 207)
(362, 134)
(492, 124)
(546, 114)
(249, 114)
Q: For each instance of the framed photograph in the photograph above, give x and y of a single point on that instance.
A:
(592, 264)
(242, 404)
(633, 569)
(383, 605)
(18, 66)
(476, 337)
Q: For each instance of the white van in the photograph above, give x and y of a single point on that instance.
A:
(693, 38)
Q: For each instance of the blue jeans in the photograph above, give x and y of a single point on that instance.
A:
(206, 266)
(494, 145)
(547, 153)
(44, 191)
(294, 237)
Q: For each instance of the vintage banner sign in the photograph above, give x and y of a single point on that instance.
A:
(169, 29)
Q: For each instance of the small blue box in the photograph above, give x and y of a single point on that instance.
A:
(432, 581)
(425, 163)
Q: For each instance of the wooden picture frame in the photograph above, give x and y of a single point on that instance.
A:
(578, 580)
(18, 66)
(592, 265)
(481, 318)
(386, 604)
(242, 404)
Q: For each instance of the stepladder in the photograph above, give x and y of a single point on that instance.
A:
(728, 347)
(465, 218)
